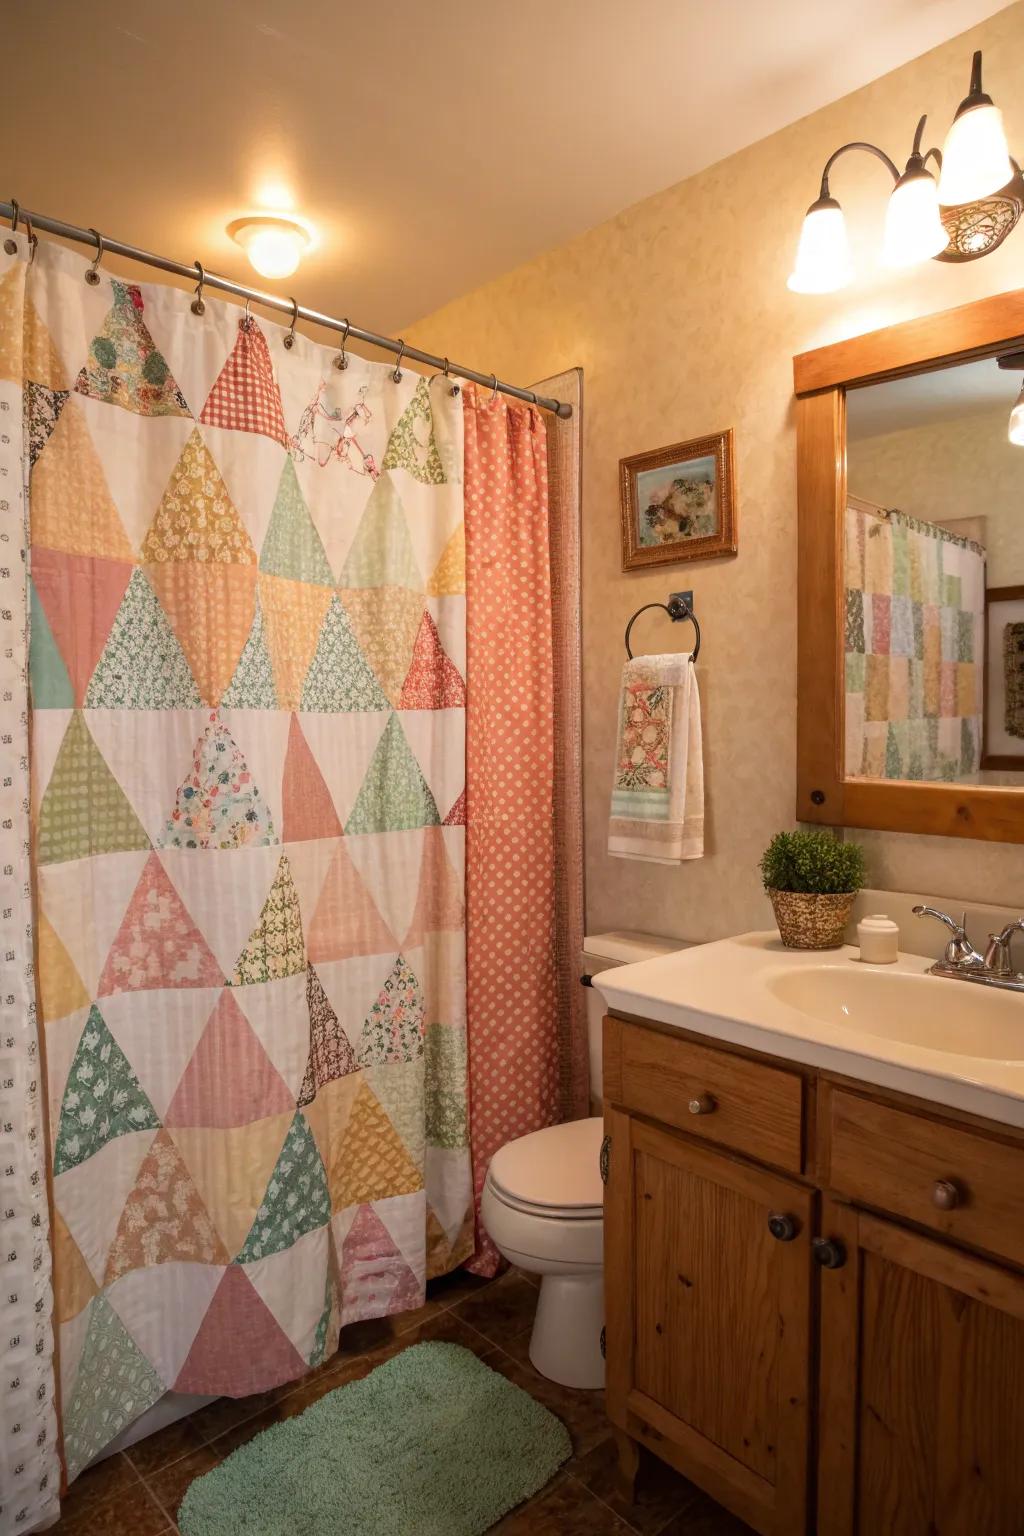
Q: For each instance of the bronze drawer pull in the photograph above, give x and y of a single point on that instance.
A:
(945, 1195)
(703, 1104)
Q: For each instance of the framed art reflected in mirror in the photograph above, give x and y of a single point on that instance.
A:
(1003, 749)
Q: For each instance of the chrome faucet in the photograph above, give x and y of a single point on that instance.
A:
(962, 962)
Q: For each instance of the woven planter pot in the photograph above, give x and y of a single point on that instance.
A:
(809, 921)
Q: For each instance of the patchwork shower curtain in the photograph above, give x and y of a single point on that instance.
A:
(248, 651)
(915, 615)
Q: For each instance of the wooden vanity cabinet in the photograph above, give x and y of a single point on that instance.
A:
(779, 1326)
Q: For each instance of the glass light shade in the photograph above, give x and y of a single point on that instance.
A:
(273, 246)
(1016, 432)
(975, 157)
(913, 229)
(823, 254)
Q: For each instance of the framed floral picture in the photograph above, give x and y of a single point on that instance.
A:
(678, 503)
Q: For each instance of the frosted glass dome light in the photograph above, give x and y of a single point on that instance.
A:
(274, 245)
(913, 229)
(975, 156)
(823, 255)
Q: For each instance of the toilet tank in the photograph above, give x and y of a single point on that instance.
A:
(600, 952)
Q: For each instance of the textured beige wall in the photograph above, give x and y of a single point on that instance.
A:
(678, 312)
(948, 470)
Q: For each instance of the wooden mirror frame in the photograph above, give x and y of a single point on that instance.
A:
(821, 379)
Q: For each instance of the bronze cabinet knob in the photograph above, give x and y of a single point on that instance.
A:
(828, 1252)
(781, 1226)
(703, 1104)
(945, 1195)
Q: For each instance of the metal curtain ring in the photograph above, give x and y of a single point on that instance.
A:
(33, 240)
(247, 316)
(198, 305)
(397, 375)
(289, 340)
(92, 277)
(456, 389)
(494, 388)
(341, 361)
(10, 244)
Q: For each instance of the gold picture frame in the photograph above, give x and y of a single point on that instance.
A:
(671, 517)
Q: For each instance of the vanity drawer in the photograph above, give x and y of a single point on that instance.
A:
(943, 1176)
(736, 1103)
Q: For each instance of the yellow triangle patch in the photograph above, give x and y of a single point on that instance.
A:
(41, 363)
(12, 322)
(372, 1163)
(449, 576)
(61, 989)
(73, 1284)
(231, 1169)
(71, 505)
(196, 520)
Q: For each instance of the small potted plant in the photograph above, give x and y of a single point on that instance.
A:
(812, 879)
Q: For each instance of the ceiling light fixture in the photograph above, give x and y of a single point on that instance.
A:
(274, 244)
(978, 201)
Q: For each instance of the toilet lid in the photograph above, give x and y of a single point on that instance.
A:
(556, 1169)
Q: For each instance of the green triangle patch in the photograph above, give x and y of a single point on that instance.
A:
(340, 679)
(84, 809)
(393, 1028)
(102, 1098)
(51, 685)
(292, 546)
(381, 554)
(276, 947)
(317, 1353)
(297, 1200)
(252, 686)
(114, 1384)
(125, 367)
(412, 445)
(142, 666)
(394, 796)
(219, 805)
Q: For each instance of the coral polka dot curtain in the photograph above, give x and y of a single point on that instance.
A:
(514, 1043)
(248, 663)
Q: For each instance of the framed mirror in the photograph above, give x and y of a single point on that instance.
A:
(911, 576)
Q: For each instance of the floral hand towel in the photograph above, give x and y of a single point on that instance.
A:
(658, 788)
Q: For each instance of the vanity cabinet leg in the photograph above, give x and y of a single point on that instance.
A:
(629, 1463)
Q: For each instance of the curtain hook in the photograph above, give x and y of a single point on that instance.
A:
(446, 373)
(494, 388)
(289, 340)
(33, 240)
(92, 277)
(10, 244)
(247, 317)
(198, 305)
(341, 361)
(397, 375)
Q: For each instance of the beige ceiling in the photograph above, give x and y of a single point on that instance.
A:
(432, 143)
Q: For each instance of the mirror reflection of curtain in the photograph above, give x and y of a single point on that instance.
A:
(915, 604)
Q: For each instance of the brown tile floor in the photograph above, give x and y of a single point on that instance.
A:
(137, 1492)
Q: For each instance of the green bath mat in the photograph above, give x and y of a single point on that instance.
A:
(433, 1443)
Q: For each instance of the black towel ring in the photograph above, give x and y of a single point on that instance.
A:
(677, 609)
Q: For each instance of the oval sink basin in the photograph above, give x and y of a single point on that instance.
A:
(959, 1017)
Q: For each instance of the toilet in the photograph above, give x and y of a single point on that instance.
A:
(543, 1198)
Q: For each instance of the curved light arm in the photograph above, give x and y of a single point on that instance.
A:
(871, 149)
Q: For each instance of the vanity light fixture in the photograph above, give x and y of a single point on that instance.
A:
(977, 202)
(273, 243)
(1014, 361)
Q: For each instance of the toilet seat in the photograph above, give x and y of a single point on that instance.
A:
(553, 1173)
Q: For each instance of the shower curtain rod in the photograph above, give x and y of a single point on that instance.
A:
(34, 221)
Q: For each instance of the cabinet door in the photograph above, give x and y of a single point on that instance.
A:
(708, 1335)
(922, 1387)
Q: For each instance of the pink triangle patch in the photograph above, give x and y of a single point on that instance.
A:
(79, 628)
(346, 921)
(308, 808)
(377, 1281)
(457, 815)
(439, 900)
(240, 1347)
(157, 944)
(230, 1079)
(246, 397)
(433, 680)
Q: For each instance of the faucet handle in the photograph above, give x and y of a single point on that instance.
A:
(959, 950)
(997, 954)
